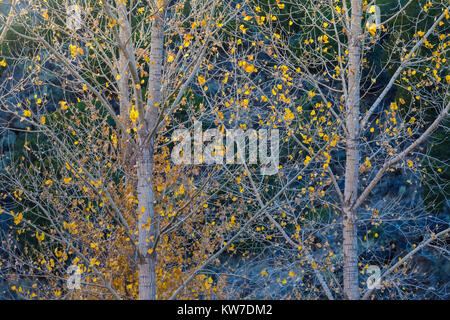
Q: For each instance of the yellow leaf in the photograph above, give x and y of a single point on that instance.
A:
(170, 57)
(372, 28)
(307, 160)
(249, 68)
(40, 237)
(63, 105)
(201, 79)
(18, 218)
(134, 114)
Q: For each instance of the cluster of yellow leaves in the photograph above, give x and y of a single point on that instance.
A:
(288, 115)
(201, 79)
(307, 160)
(372, 28)
(187, 40)
(74, 50)
(63, 105)
(17, 218)
(247, 67)
(170, 57)
(323, 39)
(134, 114)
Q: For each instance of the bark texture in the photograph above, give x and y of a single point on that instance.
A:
(123, 82)
(352, 155)
(148, 224)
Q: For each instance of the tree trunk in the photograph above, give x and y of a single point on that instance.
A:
(351, 285)
(147, 232)
(123, 83)
(148, 224)
(124, 34)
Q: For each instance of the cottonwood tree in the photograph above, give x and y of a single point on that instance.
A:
(350, 115)
(332, 58)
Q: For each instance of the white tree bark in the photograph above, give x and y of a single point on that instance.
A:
(352, 155)
(147, 234)
(123, 82)
(125, 34)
